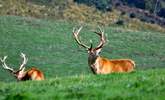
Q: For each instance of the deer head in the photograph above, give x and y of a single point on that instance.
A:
(17, 73)
(92, 52)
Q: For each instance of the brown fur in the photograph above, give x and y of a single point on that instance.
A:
(105, 66)
(34, 74)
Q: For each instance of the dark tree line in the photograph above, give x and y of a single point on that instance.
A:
(106, 5)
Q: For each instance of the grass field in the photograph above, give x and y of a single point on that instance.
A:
(140, 85)
(50, 47)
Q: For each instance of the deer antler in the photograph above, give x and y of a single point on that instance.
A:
(102, 38)
(76, 33)
(4, 64)
(24, 61)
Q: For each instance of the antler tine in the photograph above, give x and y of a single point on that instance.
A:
(102, 38)
(102, 31)
(4, 64)
(24, 61)
(76, 33)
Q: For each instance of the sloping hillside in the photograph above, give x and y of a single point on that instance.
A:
(49, 45)
(80, 13)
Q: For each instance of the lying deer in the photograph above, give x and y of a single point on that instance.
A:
(100, 65)
(21, 74)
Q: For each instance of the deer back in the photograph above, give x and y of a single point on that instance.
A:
(105, 66)
(34, 74)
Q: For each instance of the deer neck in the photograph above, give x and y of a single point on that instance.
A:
(92, 62)
(92, 59)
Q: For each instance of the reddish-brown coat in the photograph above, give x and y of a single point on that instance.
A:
(35, 74)
(106, 66)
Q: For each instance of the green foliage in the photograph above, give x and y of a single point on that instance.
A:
(150, 5)
(99, 4)
(85, 14)
(145, 4)
(31, 9)
(136, 24)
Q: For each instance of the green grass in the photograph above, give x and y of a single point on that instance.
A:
(140, 85)
(49, 45)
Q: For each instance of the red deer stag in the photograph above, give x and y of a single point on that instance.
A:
(100, 65)
(21, 75)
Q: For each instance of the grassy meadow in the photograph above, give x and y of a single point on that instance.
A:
(49, 46)
(140, 85)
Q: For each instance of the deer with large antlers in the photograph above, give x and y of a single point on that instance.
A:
(21, 74)
(100, 65)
